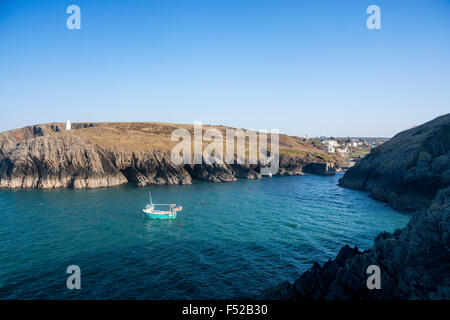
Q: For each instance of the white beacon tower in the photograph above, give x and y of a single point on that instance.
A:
(68, 126)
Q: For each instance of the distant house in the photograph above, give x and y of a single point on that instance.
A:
(342, 150)
(330, 149)
(331, 145)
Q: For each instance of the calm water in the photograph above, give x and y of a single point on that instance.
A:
(248, 235)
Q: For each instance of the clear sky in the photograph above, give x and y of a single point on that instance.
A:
(303, 67)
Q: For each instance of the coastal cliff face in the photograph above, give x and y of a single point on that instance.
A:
(54, 162)
(408, 170)
(324, 169)
(45, 157)
(411, 171)
(72, 162)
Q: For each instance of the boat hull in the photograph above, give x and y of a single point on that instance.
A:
(160, 216)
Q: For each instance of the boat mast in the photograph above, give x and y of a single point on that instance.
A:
(150, 195)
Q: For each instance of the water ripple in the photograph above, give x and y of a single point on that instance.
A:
(247, 235)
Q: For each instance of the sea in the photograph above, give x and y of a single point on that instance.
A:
(232, 240)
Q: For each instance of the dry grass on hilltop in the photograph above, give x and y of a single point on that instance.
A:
(151, 136)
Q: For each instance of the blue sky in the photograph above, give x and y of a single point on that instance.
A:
(303, 67)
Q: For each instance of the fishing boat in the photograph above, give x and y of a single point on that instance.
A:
(152, 212)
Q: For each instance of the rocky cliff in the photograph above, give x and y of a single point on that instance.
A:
(411, 171)
(54, 162)
(324, 169)
(408, 170)
(104, 155)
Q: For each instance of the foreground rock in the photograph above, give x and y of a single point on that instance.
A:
(408, 170)
(414, 263)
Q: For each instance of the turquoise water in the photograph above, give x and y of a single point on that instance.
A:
(247, 236)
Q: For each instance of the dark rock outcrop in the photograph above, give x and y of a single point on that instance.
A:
(324, 169)
(291, 166)
(211, 172)
(408, 170)
(145, 168)
(215, 172)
